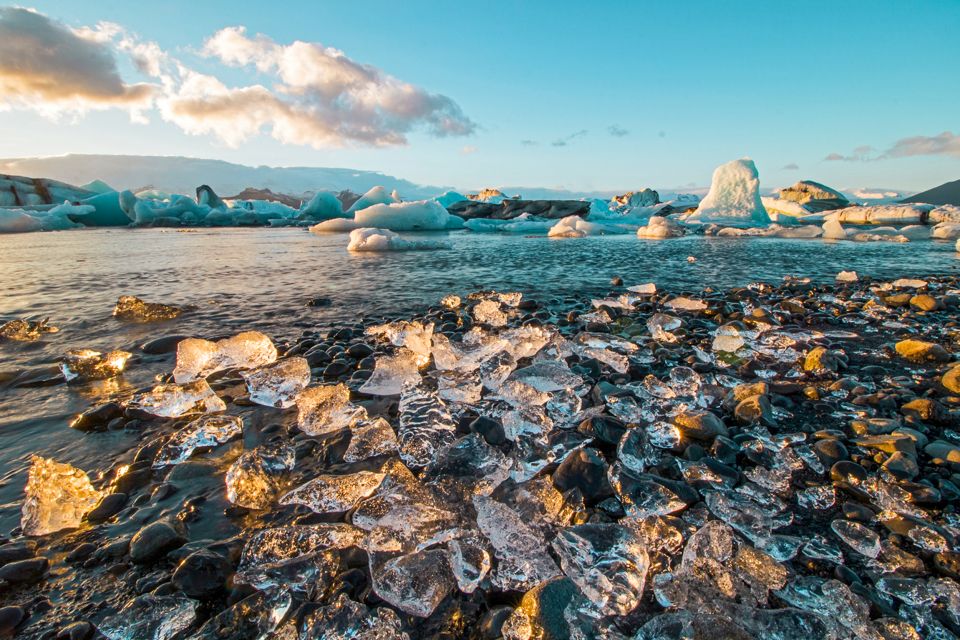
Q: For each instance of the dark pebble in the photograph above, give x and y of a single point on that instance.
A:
(109, 506)
(202, 574)
(24, 571)
(154, 541)
(10, 617)
(491, 430)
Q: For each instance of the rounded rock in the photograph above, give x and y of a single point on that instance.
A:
(202, 574)
(154, 541)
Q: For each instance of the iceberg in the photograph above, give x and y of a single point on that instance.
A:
(524, 223)
(58, 495)
(383, 240)
(577, 227)
(660, 227)
(450, 197)
(734, 196)
(376, 195)
(422, 215)
(57, 218)
(883, 214)
(324, 205)
(107, 211)
(833, 230)
(198, 358)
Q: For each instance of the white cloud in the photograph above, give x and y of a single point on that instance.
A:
(945, 144)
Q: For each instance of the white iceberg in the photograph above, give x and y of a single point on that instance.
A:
(883, 214)
(384, 240)
(450, 197)
(422, 215)
(577, 227)
(524, 223)
(660, 227)
(376, 195)
(833, 230)
(946, 231)
(734, 196)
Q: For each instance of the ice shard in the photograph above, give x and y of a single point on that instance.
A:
(175, 400)
(425, 426)
(334, 493)
(254, 479)
(203, 433)
(278, 384)
(198, 358)
(327, 409)
(87, 364)
(392, 373)
(135, 309)
(57, 497)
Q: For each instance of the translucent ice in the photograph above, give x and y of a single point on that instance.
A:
(86, 364)
(415, 336)
(488, 312)
(425, 426)
(204, 432)
(522, 560)
(682, 303)
(278, 384)
(369, 439)
(344, 619)
(459, 386)
(334, 493)
(253, 480)
(469, 560)
(150, 617)
(392, 373)
(642, 495)
(175, 400)
(133, 308)
(327, 409)
(197, 358)
(26, 330)
(415, 583)
(383, 240)
(661, 325)
(860, 538)
(57, 497)
(728, 339)
(256, 616)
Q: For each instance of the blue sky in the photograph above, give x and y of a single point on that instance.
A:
(686, 85)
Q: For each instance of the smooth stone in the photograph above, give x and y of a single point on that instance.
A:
(846, 471)
(822, 359)
(109, 506)
(10, 617)
(491, 430)
(921, 352)
(19, 550)
(80, 630)
(202, 574)
(755, 409)
(159, 346)
(924, 302)
(492, 622)
(604, 428)
(902, 466)
(925, 409)
(97, 418)
(947, 563)
(154, 541)
(951, 380)
(943, 450)
(584, 469)
(700, 425)
(830, 451)
(887, 443)
(27, 571)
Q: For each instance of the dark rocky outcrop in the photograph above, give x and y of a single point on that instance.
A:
(265, 194)
(509, 209)
(947, 193)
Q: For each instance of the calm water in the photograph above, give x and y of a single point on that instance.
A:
(262, 279)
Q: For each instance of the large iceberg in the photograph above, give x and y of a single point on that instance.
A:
(422, 215)
(376, 195)
(324, 205)
(883, 214)
(734, 196)
(577, 227)
(55, 218)
(380, 240)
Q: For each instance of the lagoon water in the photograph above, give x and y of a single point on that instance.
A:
(262, 279)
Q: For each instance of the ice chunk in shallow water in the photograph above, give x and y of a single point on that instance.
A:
(734, 196)
(858, 537)
(133, 308)
(253, 480)
(327, 409)
(644, 289)
(415, 583)
(58, 495)
(847, 276)
(415, 336)
(383, 240)
(86, 364)
(392, 373)
(26, 330)
(198, 358)
(522, 560)
(278, 384)
(661, 324)
(150, 617)
(727, 339)
(608, 562)
(426, 426)
(293, 554)
(334, 493)
(450, 301)
(682, 303)
(175, 400)
(369, 439)
(345, 619)
(204, 432)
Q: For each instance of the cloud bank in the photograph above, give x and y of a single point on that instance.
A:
(305, 93)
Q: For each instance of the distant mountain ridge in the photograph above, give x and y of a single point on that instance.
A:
(947, 193)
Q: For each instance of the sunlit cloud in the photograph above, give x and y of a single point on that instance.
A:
(945, 144)
(468, 150)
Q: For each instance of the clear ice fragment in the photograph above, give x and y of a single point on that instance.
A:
(415, 336)
(392, 373)
(332, 493)
(87, 364)
(175, 400)
(488, 312)
(344, 619)
(203, 433)
(415, 583)
(278, 384)
(425, 426)
(198, 358)
(150, 617)
(26, 330)
(58, 495)
(369, 439)
(253, 480)
(858, 537)
(522, 560)
(293, 554)
(327, 409)
(135, 309)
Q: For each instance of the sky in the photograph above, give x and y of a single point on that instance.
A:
(573, 95)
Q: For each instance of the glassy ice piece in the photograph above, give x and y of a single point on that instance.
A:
(817, 497)
(327, 409)
(488, 312)
(846, 613)
(459, 386)
(371, 438)
(686, 304)
(471, 463)
(664, 435)
(522, 560)
(415, 336)
(293, 554)
(203, 433)
(415, 583)
(547, 376)
(496, 369)
(626, 408)
(858, 537)
(728, 339)
(133, 308)
(278, 384)
(344, 619)
(820, 549)
(649, 288)
(198, 358)
(531, 422)
(604, 341)
(26, 330)
(392, 373)
(425, 426)
(928, 539)
(58, 495)
(175, 400)
(520, 394)
(87, 364)
(150, 617)
(635, 452)
(528, 341)
(253, 480)
(660, 326)
(469, 560)
(608, 562)
(333, 494)
(714, 540)
(256, 616)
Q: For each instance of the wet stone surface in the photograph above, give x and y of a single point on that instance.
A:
(776, 461)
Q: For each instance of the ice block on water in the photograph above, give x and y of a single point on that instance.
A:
(133, 308)
(198, 358)
(392, 373)
(175, 400)
(278, 384)
(253, 480)
(334, 493)
(86, 364)
(327, 409)
(57, 497)
(203, 433)
(25, 330)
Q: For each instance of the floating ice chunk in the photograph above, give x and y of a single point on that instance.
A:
(847, 276)
(421, 215)
(522, 560)
(805, 231)
(647, 289)
(682, 303)
(327, 409)
(278, 384)
(660, 227)
(415, 336)
(334, 493)
(150, 617)
(392, 373)
(384, 240)
(946, 231)
(26, 330)
(133, 308)
(324, 205)
(175, 400)
(293, 554)
(858, 537)
(197, 358)
(469, 560)
(608, 562)
(833, 230)
(577, 227)
(369, 439)
(727, 339)
(415, 583)
(734, 196)
(203, 433)
(488, 312)
(345, 619)
(883, 214)
(86, 364)
(909, 283)
(57, 497)
(253, 480)
(425, 426)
